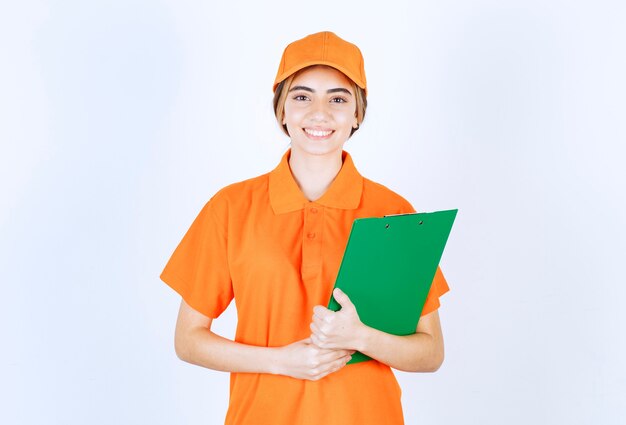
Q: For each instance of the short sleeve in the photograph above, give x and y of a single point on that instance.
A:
(437, 289)
(198, 269)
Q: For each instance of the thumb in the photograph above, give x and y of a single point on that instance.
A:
(343, 299)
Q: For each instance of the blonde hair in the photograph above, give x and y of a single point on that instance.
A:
(280, 96)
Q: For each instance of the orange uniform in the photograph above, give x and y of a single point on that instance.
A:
(277, 254)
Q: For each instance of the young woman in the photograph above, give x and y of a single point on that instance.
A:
(274, 243)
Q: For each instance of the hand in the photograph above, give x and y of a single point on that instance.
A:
(304, 360)
(337, 330)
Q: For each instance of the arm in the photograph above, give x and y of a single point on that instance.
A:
(195, 343)
(420, 352)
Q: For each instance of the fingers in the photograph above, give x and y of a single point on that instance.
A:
(321, 338)
(319, 341)
(322, 313)
(316, 341)
(317, 326)
(326, 369)
(322, 318)
(337, 355)
(305, 360)
(315, 330)
(325, 353)
(318, 337)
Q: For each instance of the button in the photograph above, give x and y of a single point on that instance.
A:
(313, 210)
(310, 235)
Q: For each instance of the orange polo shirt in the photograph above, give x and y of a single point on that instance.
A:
(277, 254)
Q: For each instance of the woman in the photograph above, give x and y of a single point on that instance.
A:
(274, 244)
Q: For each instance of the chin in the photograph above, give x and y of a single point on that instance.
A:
(318, 150)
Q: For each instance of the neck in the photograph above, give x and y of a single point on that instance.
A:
(314, 174)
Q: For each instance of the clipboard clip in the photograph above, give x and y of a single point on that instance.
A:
(399, 215)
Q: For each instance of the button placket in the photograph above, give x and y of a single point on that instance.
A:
(312, 241)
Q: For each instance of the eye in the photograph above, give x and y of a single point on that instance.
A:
(300, 97)
(338, 99)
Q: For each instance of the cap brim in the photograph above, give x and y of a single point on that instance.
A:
(283, 76)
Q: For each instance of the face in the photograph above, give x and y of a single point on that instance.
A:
(320, 111)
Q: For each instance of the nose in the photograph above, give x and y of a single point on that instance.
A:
(319, 112)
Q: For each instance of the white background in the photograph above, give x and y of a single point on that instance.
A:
(119, 119)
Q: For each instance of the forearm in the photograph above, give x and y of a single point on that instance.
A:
(420, 352)
(202, 347)
(197, 344)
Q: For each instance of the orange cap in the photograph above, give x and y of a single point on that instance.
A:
(322, 48)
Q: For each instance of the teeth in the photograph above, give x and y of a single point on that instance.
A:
(318, 133)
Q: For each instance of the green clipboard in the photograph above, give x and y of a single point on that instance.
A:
(388, 266)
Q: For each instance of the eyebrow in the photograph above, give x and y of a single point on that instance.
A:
(329, 91)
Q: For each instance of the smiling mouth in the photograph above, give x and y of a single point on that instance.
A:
(318, 133)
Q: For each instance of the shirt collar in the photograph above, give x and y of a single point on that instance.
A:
(343, 193)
